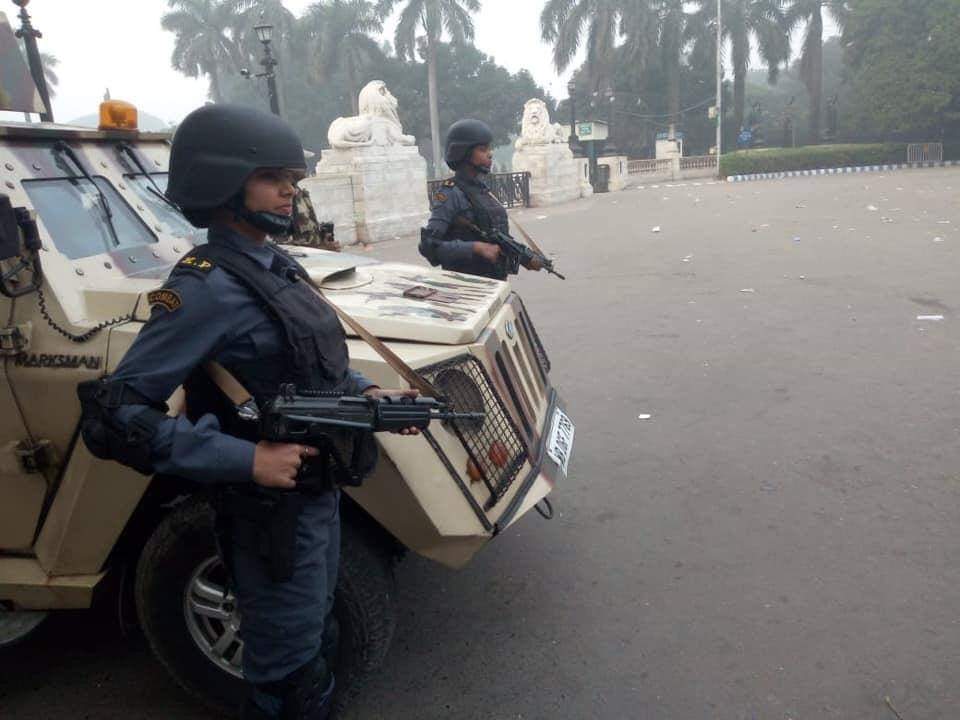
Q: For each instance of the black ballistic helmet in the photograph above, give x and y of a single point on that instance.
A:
(462, 137)
(216, 148)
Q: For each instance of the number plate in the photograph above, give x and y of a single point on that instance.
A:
(560, 440)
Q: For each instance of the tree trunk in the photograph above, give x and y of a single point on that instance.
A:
(739, 99)
(215, 93)
(815, 86)
(434, 112)
(352, 85)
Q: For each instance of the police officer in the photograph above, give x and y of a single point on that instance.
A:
(242, 302)
(464, 204)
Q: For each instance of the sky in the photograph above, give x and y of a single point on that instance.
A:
(119, 45)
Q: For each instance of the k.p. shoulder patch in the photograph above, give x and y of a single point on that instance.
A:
(440, 196)
(169, 300)
(196, 263)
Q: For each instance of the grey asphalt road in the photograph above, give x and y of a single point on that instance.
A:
(777, 540)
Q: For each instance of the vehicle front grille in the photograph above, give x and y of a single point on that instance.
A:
(493, 444)
(529, 332)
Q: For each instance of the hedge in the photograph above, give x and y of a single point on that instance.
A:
(813, 157)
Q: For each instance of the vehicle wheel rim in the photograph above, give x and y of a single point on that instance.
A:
(212, 616)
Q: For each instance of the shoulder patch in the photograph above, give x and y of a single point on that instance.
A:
(449, 183)
(440, 196)
(196, 263)
(168, 299)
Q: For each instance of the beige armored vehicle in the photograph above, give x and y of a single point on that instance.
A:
(84, 236)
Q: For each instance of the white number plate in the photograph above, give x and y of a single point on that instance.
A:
(560, 440)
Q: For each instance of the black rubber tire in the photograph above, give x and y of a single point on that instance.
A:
(364, 606)
(180, 543)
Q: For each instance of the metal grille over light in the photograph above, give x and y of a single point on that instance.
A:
(496, 450)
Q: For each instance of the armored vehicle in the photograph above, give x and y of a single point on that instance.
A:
(85, 234)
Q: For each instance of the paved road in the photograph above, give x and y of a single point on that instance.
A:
(778, 540)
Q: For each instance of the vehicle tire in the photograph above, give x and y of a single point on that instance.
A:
(178, 572)
(365, 607)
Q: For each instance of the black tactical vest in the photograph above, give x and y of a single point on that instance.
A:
(314, 357)
(485, 209)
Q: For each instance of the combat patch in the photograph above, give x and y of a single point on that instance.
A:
(440, 196)
(169, 300)
(195, 263)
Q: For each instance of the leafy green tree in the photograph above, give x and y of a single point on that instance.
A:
(340, 31)
(903, 59)
(434, 18)
(204, 45)
(748, 25)
(810, 13)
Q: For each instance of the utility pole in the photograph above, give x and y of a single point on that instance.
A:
(719, 83)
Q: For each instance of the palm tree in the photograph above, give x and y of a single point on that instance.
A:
(747, 24)
(672, 22)
(434, 17)
(604, 22)
(340, 31)
(204, 45)
(810, 12)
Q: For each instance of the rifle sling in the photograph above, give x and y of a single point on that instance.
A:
(526, 236)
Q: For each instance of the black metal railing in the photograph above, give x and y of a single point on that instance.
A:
(511, 189)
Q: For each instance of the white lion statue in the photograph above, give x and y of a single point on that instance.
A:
(377, 123)
(536, 128)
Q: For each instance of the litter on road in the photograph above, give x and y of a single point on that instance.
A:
(930, 317)
(748, 290)
(655, 229)
(644, 417)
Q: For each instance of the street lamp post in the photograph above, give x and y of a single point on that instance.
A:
(29, 34)
(719, 83)
(573, 140)
(265, 35)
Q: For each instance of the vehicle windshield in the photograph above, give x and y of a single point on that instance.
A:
(172, 221)
(71, 210)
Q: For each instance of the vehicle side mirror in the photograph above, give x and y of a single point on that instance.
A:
(9, 229)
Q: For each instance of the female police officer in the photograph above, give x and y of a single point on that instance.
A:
(463, 205)
(242, 302)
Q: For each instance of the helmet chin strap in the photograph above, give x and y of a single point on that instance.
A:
(272, 224)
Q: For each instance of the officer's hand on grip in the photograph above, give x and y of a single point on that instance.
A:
(487, 251)
(376, 392)
(275, 465)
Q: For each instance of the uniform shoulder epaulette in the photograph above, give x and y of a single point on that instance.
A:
(196, 262)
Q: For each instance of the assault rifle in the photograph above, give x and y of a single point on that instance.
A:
(512, 253)
(306, 416)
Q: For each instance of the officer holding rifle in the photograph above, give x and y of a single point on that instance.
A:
(465, 216)
(241, 302)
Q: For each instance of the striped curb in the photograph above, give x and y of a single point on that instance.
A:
(842, 171)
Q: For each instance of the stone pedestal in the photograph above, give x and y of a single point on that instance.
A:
(554, 174)
(388, 186)
(618, 171)
(332, 199)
